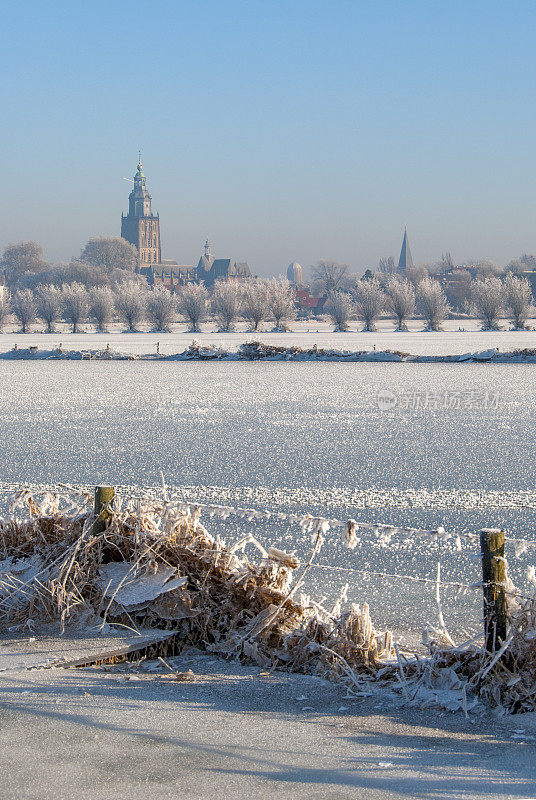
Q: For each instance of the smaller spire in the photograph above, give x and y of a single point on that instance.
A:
(405, 261)
(207, 248)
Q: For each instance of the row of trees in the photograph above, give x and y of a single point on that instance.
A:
(261, 301)
(133, 303)
(491, 299)
(480, 268)
(369, 300)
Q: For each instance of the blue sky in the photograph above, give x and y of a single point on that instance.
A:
(282, 130)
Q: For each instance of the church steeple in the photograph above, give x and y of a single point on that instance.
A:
(139, 199)
(140, 226)
(405, 261)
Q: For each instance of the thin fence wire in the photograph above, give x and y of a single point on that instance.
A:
(307, 522)
(301, 519)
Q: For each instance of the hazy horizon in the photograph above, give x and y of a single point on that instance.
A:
(281, 131)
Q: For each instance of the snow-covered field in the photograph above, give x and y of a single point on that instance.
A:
(304, 334)
(300, 436)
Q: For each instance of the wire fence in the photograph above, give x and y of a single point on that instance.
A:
(362, 537)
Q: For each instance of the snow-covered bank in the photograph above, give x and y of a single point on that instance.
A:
(259, 351)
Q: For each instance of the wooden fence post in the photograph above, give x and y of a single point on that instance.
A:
(104, 495)
(494, 578)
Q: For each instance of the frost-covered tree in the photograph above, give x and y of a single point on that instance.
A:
(328, 277)
(516, 266)
(518, 300)
(161, 308)
(5, 307)
(340, 308)
(49, 305)
(282, 299)
(102, 306)
(387, 265)
(110, 252)
(370, 302)
(192, 301)
(417, 274)
(400, 301)
(486, 267)
(256, 306)
(432, 303)
(226, 303)
(487, 295)
(24, 307)
(131, 303)
(75, 300)
(21, 258)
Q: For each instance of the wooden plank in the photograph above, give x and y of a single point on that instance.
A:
(45, 649)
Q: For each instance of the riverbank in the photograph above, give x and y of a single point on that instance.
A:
(260, 351)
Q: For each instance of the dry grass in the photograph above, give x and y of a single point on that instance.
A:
(227, 603)
(239, 600)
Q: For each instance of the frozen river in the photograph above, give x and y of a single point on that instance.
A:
(455, 450)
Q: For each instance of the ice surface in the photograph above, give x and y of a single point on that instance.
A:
(298, 437)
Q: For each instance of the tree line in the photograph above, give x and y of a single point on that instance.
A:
(101, 286)
(259, 301)
(134, 303)
(490, 297)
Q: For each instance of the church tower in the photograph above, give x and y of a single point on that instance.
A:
(140, 227)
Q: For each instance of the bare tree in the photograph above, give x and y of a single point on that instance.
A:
(401, 301)
(517, 267)
(49, 305)
(75, 300)
(528, 260)
(20, 258)
(226, 303)
(432, 302)
(518, 300)
(328, 277)
(110, 252)
(282, 299)
(256, 306)
(161, 308)
(131, 303)
(24, 307)
(370, 302)
(5, 307)
(487, 296)
(487, 267)
(445, 263)
(387, 265)
(525, 263)
(340, 308)
(192, 301)
(102, 306)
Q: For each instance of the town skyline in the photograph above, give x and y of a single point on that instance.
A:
(164, 259)
(303, 132)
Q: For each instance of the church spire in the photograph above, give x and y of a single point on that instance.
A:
(405, 261)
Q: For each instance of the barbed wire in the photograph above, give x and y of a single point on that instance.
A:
(384, 531)
(416, 579)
